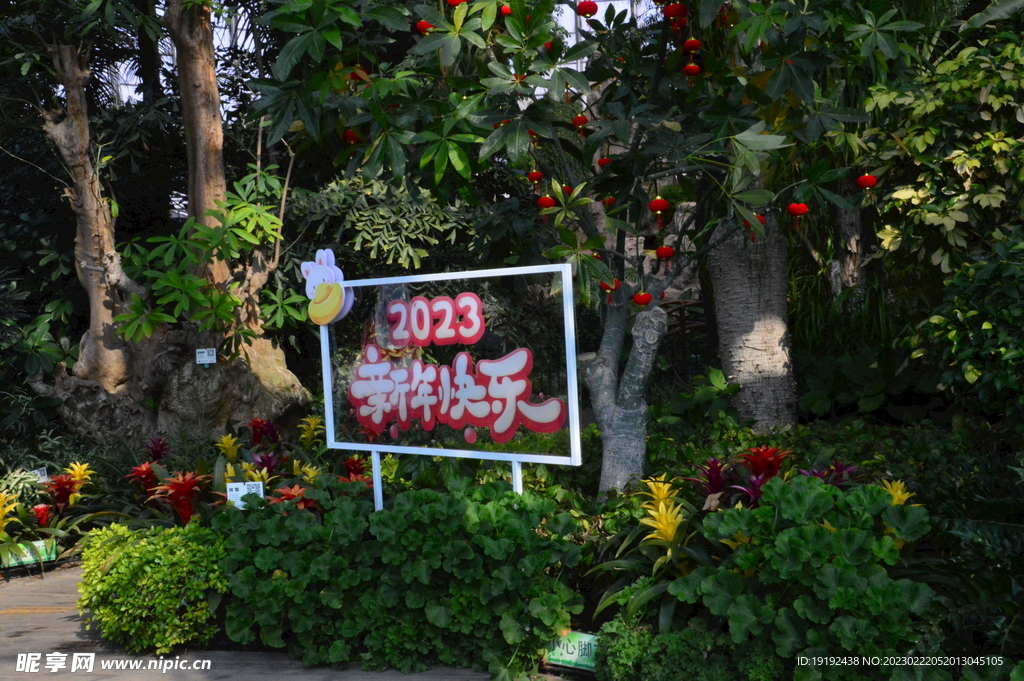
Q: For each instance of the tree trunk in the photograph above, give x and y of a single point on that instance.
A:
(851, 245)
(137, 391)
(750, 282)
(619, 404)
(103, 356)
(192, 33)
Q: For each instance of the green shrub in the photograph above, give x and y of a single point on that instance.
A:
(621, 650)
(151, 590)
(693, 653)
(808, 572)
(460, 579)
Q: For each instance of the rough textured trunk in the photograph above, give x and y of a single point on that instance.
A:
(618, 403)
(136, 391)
(192, 34)
(847, 270)
(103, 356)
(750, 283)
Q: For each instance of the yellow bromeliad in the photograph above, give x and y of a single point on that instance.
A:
(665, 520)
(8, 502)
(253, 474)
(308, 471)
(659, 490)
(898, 491)
(228, 446)
(309, 430)
(79, 471)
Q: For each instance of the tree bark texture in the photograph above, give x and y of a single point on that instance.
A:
(141, 390)
(618, 402)
(103, 356)
(750, 285)
(192, 34)
(847, 270)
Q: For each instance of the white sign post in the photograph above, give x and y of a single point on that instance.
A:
(422, 375)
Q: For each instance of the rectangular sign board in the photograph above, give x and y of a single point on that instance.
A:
(237, 490)
(575, 650)
(22, 554)
(460, 364)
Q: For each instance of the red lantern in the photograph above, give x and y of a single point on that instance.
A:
(679, 24)
(659, 206)
(797, 209)
(664, 252)
(352, 137)
(867, 181)
(691, 70)
(587, 8)
(535, 176)
(567, 189)
(549, 45)
(546, 202)
(692, 45)
(608, 288)
(455, 3)
(608, 202)
(674, 10)
(643, 299)
(505, 10)
(753, 234)
(580, 121)
(603, 161)
(424, 26)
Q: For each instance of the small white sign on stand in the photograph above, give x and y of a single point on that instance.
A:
(237, 490)
(42, 475)
(206, 356)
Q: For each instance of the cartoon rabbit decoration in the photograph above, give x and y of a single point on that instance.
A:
(329, 302)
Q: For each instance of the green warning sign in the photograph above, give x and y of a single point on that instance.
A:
(576, 650)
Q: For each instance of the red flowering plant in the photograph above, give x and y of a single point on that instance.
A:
(264, 433)
(358, 470)
(144, 476)
(294, 493)
(763, 460)
(63, 490)
(42, 514)
(182, 492)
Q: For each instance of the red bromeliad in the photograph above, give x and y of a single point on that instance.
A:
(297, 494)
(264, 430)
(764, 460)
(61, 488)
(356, 466)
(181, 491)
(42, 514)
(144, 476)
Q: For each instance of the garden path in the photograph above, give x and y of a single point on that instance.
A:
(39, 616)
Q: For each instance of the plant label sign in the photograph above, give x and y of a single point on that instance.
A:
(206, 356)
(42, 475)
(575, 650)
(237, 490)
(466, 364)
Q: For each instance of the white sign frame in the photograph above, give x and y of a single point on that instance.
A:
(575, 457)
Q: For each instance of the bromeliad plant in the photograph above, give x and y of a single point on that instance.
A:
(182, 492)
(671, 546)
(810, 569)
